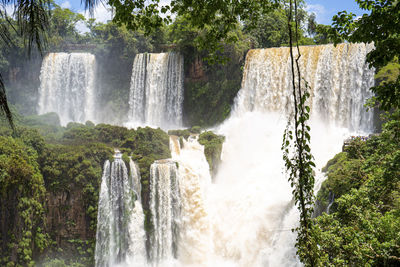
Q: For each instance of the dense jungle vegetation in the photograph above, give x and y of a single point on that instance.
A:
(210, 86)
(363, 187)
(50, 175)
(50, 178)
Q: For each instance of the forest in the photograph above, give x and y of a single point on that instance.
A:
(51, 174)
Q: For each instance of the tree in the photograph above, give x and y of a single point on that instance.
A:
(268, 30)
(62, 25)
(217, 18)
(318, 32)
(364, 220)
(382, 27)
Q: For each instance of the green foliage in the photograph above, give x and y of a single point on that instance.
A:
(380, 26)
(212, 149)
(321, 35)
(21, 203)
(148, 145)
(195, 129)
(70, 168)
(112, 135)
(62, 28)
(47, 125)
(216, 19)
(42, 120)
(296, 148)
(358, 234)
(66, 167)
(115, 50)
(185, 133)
(267, 30)
(363, 228)
(387, 80)
(76, 170)
(388, 73)
(344, 173)
(209, 88)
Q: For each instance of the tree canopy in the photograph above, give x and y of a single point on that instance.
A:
(382, 27)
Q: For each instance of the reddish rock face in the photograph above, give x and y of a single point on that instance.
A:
(196, 71)
(66, 217)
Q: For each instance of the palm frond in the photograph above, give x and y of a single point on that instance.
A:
(31, 18)
(4, 26)
(33, 21)
(90, 5)
(4, 109)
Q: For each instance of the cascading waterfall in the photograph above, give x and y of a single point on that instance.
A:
(338, 76)
(156, 93)
(244, 218)
(67, 86)
(250, 180)
(165, 207)
(120, 238)
(195, 244)
(137, 187)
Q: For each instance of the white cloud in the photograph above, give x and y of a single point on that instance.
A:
(66, 4)
(80, 26)
(320, 13)
(164, 2)
(102, 13)
(8, 8)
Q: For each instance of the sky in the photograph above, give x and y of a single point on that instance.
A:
(324, 9)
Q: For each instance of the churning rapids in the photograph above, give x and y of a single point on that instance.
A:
(244, 215)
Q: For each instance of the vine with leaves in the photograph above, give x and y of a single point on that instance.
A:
(296, 147)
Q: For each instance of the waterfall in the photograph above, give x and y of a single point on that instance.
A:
(195, 244)
(67, 86)
(253, 212)
(338, 76)
(245, 216)
(137, 187)
(120, 237)
(165, 207)
(156, 93)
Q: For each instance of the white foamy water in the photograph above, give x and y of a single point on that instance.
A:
(165, 207)
(195, 244)
(250, 205)
(120, 237)
(245, 215)
(67, 86)
(252, 183)
(338, 76)
(156, 93)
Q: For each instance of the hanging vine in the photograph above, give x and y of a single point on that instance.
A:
(296, 147)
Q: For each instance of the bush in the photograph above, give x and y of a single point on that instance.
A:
(212, 149)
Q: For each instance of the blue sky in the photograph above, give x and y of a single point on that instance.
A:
(324, 9)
